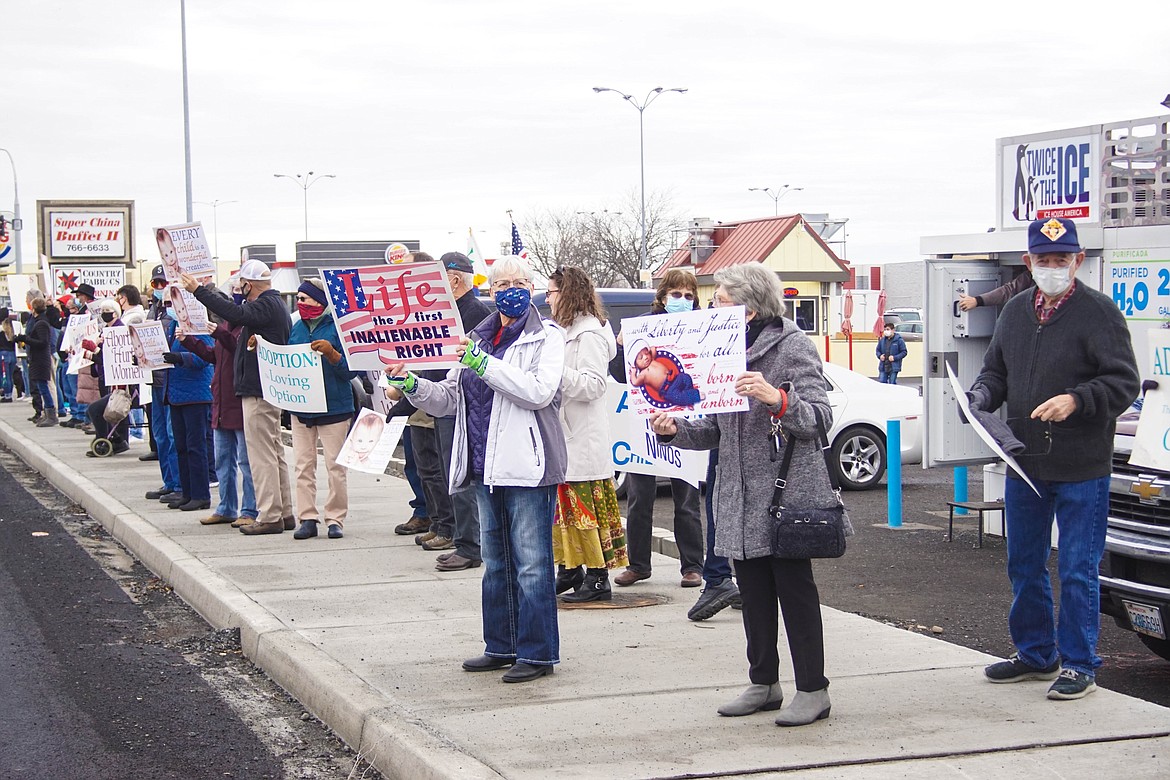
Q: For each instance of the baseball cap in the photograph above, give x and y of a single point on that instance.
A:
(1054, 235)
(255, 271)
(457, 261)
(157, 274)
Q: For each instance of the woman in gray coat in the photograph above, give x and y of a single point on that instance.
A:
(785, 382)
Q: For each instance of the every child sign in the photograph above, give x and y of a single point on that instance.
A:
(686, 364)
(395, 314)
(290, 377)
(183, 249)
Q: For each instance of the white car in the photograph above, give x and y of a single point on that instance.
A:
(857, 440)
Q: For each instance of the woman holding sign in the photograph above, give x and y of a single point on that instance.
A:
(588, 539)
(786, 388)
(510, 449)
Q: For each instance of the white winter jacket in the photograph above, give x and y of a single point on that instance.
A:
(589, 346)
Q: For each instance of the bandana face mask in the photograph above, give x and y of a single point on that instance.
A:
(513, 302)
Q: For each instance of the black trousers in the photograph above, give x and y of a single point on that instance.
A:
(641, 490)
(428, 462)
(764, 582)
(119, 434)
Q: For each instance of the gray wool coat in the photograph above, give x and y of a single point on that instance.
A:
(746, 474)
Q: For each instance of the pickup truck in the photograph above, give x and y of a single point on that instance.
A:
(1135, 570)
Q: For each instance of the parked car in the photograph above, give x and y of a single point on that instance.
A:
(900, 314)
(910, 331)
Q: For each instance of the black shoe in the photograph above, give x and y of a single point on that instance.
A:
(120, 447)
(306, 529)
(1014, 670)
(155, 495)
(1072, 684)
(195, 504)
(569, 579)
(168, 496)
(714, 599)
(176, 501)
(522, 672)
(486, 663)
(594, 588)
(149, 456)
(5, 400)
(335, 532)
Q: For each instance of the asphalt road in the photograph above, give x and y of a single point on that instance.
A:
(915, 579)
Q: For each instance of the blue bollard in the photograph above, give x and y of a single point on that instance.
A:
(894, 471)
(960, 488)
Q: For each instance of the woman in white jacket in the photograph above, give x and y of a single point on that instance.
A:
(588, 539)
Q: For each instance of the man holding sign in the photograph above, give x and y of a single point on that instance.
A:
(262, 313)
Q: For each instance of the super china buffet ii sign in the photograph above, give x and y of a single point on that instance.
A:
(86, 230)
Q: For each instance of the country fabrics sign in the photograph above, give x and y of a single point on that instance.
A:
(1057, 177)
(395, 314)
(105, 279)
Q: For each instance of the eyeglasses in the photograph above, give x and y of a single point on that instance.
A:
(676, 295)
(550, 291)
(507, 284)
(157, 284)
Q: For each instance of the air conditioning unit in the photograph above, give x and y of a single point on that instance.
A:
(701, 241)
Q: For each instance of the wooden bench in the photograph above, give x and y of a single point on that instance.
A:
(973, 506)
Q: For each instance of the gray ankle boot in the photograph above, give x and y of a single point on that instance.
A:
(753, 699)
(805, 708)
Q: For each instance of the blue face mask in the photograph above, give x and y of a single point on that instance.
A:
(157, 295)
(237, 298)
(513, 302)
(678, 305)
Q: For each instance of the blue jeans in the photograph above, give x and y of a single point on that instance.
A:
(7, 371)
(42, 389)
(888, 377)
(189, 424)
(231, 455)
(76, 410)
(418, 504)
(716, 568)
(519, 590)
(63, 397)
(160, 426)
(1081, 510)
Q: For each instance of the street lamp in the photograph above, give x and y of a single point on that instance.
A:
(215, 204)
(304, 182)
(186, 108)
(17, 223)
(651, 96)
(776, 195)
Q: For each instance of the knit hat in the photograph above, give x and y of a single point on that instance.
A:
(315, 290)
(65, 300)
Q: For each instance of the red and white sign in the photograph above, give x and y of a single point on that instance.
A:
(105, 279)
(87, 234)
(395, 314)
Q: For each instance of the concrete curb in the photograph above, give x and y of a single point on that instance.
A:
(379, 729)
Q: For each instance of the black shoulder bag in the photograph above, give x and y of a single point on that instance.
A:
(806, 533)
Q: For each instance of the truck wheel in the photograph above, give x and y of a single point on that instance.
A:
(1160, 647)
(859, 455)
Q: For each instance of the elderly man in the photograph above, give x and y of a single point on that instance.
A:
(1062, 361)
(261, 313)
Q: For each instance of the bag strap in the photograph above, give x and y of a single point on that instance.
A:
(782, 478)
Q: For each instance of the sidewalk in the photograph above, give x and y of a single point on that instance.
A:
(369, 638)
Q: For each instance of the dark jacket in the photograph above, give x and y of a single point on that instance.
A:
(266, 317)
(893, 347)
(338, 392)
(189, 383)
(227, 411)
(38, 342)
(1084, 349)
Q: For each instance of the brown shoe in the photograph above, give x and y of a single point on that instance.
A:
(457, 563)
(217, 519)
(256, 529)
(422, 539)
(242, 521)
(692, 579)
(438, 543)
(289, 523)
(629, 577)
(415, 525)
(444, 556)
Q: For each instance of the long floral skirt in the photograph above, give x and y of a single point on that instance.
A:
(587, 526)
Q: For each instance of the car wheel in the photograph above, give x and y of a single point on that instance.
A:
(1159, 646)
(619, 483)
(859, 455)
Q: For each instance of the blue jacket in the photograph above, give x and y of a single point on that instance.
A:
(189, 383)
(894, 347)
(338, 393)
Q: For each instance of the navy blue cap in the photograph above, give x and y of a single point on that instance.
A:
(457, 261)
(1054, 235)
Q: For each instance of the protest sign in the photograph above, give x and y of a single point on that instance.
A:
(1151, 443)
(91, 331)
(686, 364)
(982, 432)
(105, 279)
(184, 250)
(73, 329)
(118, 358)
(189, 312)
(150, 344)
(291, 376)
(635, 448)
(371, 443)
(395, 314)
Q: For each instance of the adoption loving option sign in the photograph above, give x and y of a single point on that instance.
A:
(291, 377)
(686, 364)
(395, 314)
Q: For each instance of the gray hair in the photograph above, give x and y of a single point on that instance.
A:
(509, 266)
(467, 279)
(754, 287)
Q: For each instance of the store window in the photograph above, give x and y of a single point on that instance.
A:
(804, 312)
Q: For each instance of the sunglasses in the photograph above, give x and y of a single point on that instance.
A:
(676, 295)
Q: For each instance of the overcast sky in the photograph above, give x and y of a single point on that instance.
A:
(438, 116)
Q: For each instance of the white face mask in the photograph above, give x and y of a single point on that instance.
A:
(1052, 281)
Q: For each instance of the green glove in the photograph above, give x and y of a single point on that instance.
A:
(406, 384)
(475, 359)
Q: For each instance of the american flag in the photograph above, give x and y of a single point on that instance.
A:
(339, 285)
(518, 245)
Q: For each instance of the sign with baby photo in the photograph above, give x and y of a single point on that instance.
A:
(371, 443)
(686, 364)
(635, 448)
(150, 344)
(184, 250)
(189, 312)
